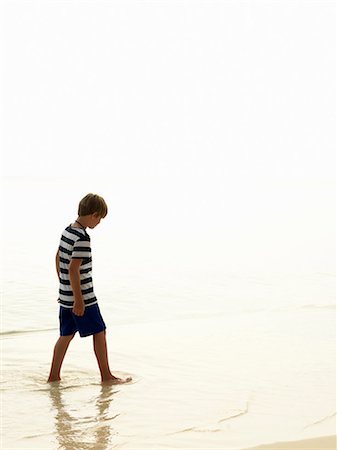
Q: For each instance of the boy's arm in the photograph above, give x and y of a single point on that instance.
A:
(75, 282)
(57, 260)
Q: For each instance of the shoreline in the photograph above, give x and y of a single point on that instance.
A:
(319, 443)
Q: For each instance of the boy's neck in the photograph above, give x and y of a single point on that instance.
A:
(81, 222)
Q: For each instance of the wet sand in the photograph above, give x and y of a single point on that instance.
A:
(321, 443)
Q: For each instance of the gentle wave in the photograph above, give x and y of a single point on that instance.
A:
(215, 429)
(323, 419)
(13, 332)
(313, 306)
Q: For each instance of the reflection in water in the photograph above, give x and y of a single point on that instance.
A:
(74, 432)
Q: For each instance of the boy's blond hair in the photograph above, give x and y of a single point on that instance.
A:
(92, 203)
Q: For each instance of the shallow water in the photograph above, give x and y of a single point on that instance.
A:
(228, 382)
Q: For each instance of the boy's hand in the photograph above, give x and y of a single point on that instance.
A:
(78, 308)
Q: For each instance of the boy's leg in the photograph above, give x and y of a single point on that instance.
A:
(60, 350)
(101, 353)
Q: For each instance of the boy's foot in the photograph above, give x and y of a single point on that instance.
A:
(115, 380)
(52, 380)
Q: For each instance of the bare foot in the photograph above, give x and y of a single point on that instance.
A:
(52, 380)
(115, 380)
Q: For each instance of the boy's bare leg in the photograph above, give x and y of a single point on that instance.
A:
(101, 353)
(60, 350)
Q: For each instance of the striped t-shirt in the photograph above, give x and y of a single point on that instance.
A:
(75, 243)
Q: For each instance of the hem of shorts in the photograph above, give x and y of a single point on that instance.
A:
(70, 334)
(92, 333)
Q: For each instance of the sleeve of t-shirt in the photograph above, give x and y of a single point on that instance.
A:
(81, 249)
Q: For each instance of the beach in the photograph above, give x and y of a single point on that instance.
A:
(232, 381)
(326, 442)
(230, 338)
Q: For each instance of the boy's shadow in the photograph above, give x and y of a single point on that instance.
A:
(73, 433)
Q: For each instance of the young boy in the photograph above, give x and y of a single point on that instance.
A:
(79, 309)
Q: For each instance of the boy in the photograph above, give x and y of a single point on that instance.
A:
(79, 310)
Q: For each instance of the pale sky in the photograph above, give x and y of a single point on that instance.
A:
(196, 114)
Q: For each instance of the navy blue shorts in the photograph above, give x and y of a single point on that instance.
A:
(90, 323)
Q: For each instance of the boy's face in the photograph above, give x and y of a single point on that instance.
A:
(94, 220)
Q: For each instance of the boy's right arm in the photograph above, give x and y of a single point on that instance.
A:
(57, 260)
(75, 281)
